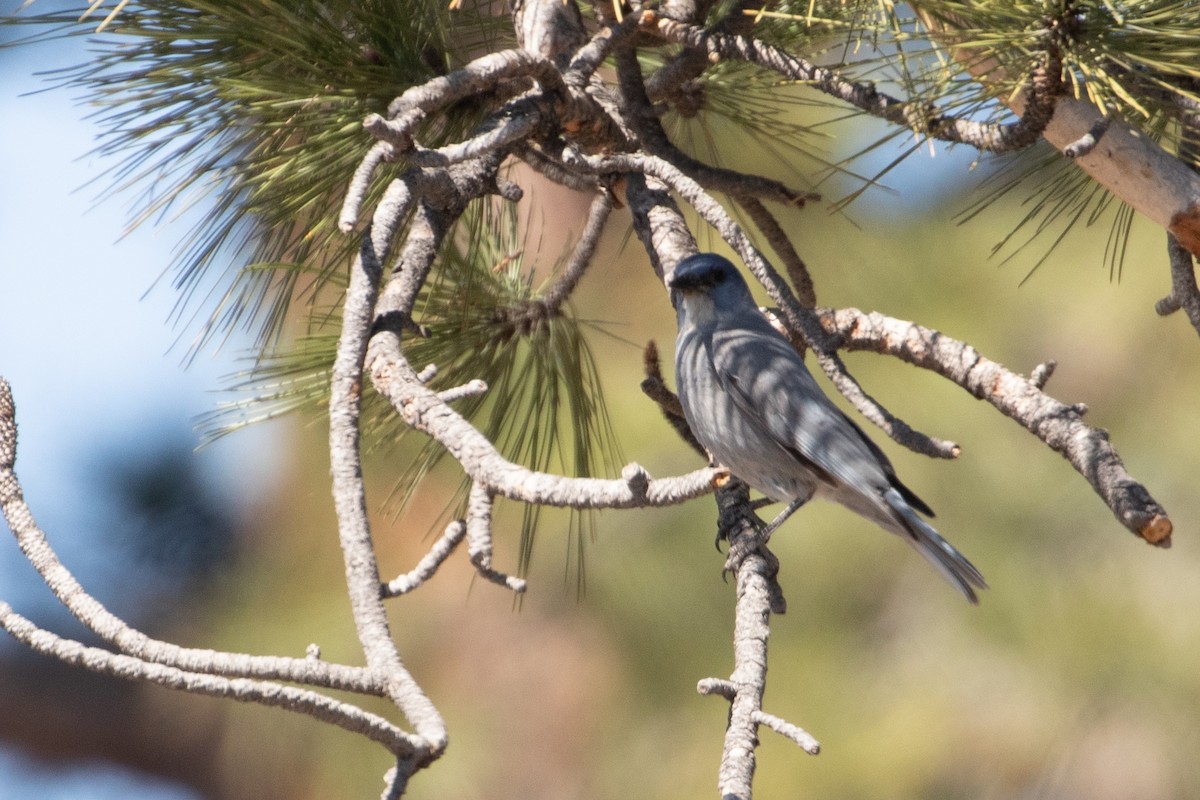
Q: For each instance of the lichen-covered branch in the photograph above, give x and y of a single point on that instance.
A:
(349, 496)
(1059, 425)
(267, 693)
(129, 641)
(995, 137)
(758, 596)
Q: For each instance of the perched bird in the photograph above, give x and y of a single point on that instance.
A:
(753, 404)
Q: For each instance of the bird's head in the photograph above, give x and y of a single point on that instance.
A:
(703, 283)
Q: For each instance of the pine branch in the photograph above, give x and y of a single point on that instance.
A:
(1060, 426)
(1130, 164)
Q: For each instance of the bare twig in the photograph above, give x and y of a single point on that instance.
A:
(290, 698)
(360, 182)
(349, 495)
(406, 112)
(642, 116)
(428, 565)
(479, 539)
(691, 62)
(510, 126)
(1087, 143)
(395, 379)
(782, 245)
(115, 631)
(1058, 425)
(554, 170)
(581, 257)
(789, 731)
(758, 594)
(656, 389)
(920, 117)
(471, 388)
(1185, 293)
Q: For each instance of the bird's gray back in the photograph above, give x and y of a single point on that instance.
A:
(736, 439)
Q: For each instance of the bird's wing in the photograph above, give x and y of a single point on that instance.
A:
(768, 380)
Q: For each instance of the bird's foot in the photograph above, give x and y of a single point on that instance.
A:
(749, 539)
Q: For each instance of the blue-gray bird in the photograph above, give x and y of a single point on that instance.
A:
(753, 404)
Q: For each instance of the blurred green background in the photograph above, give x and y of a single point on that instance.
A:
(1075, 677)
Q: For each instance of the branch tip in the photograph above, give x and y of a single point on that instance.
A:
(1157, 531)
(717, 686)
(789, 731)
(1042, 373)
(469, 389)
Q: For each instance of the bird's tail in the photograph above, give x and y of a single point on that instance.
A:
(953, 565)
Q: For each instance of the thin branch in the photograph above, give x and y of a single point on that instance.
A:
(655, 387)
(289, 698)
(360, 182)
(477, 77)
(1087, 143)
(1060, 426)
(554, 170)
(690, 63)
(349, 495)
(587, 59)
(112, 629)
(581, 257)
(789, 731)
(512, 125)
(411, 108)
(427, 566)
(646, 124)
(395, 379)
(920, 117)
(445, 194)
(1185, 293)
(472, 388)
(479, 539)
(775, 235)
(758, 595)
(531, 314)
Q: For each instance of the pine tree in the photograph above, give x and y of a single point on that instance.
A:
(360, 161)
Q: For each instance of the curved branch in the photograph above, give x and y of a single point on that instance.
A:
(349, 495)
(920, 117)
(112, 629)
(1185, 293)
(654, 139)
(428, 565)
(479, 539)
(290, 698)
(581, 257)
(395, 379)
